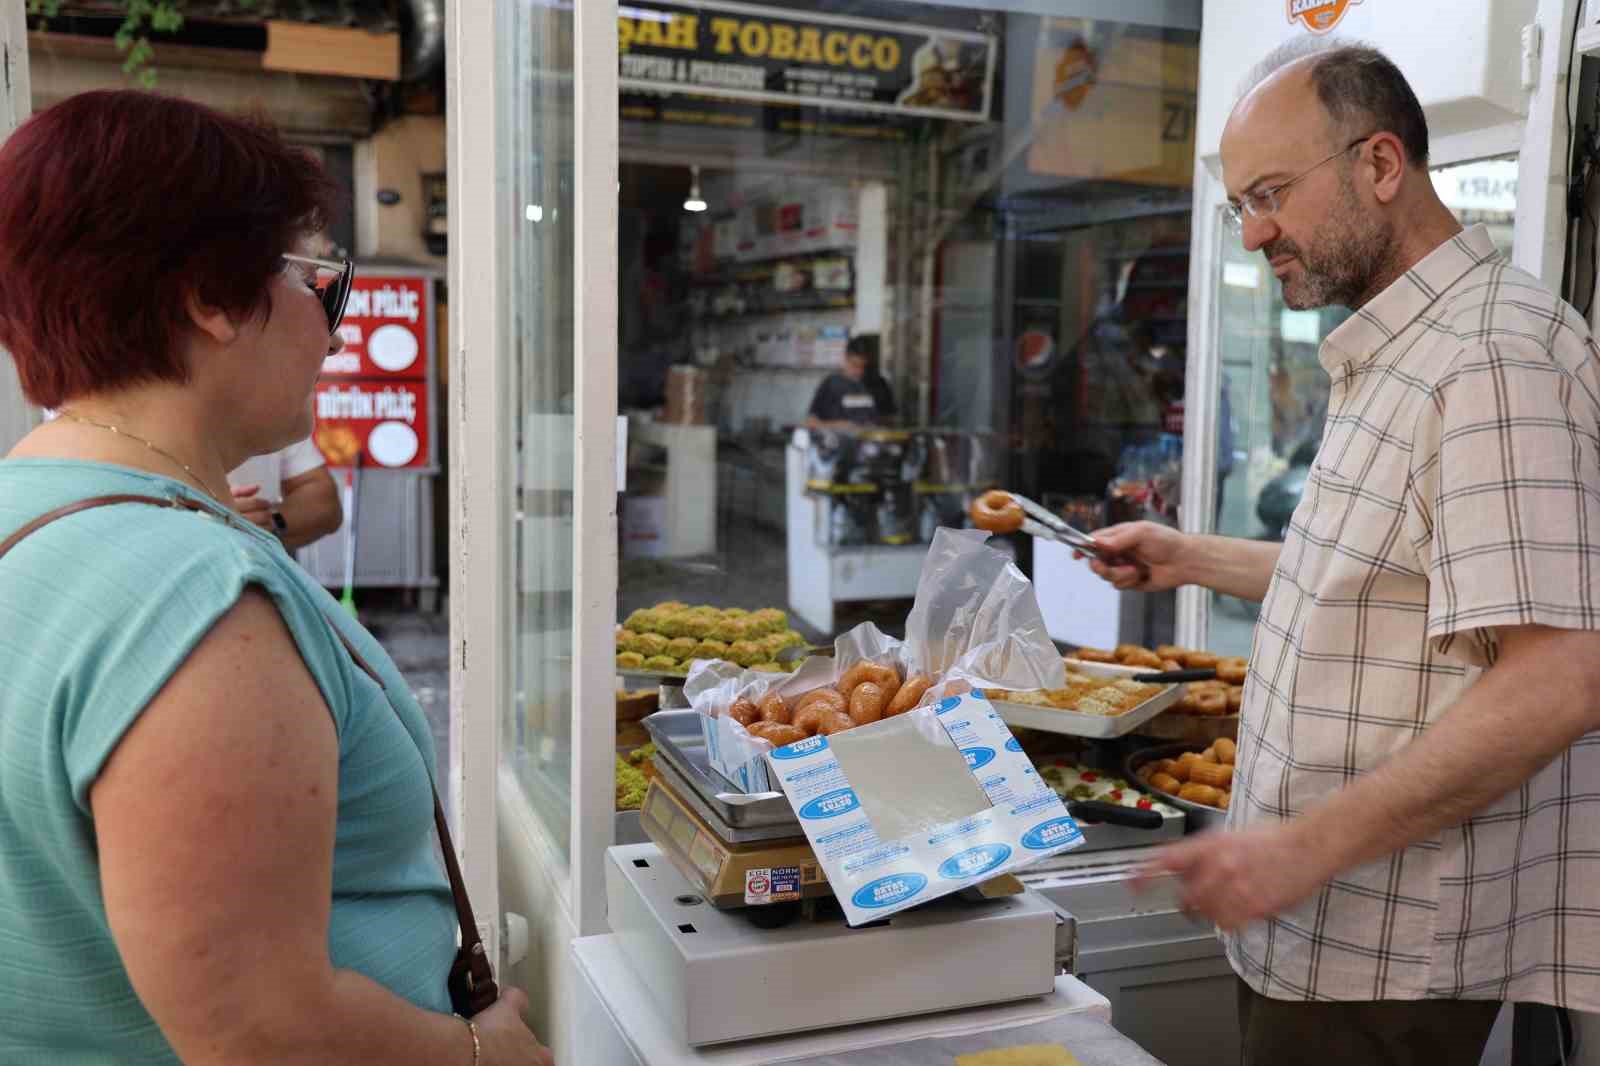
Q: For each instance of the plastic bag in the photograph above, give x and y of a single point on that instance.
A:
(975, 623)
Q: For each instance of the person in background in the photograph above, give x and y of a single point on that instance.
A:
(856, 396)
(289, 493)
(1414, 833)
(217, 841)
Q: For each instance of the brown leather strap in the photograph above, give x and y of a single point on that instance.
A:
(95, 501)
(470, 940)
(458, 885)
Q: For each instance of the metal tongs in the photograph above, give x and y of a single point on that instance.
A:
(1040, 522)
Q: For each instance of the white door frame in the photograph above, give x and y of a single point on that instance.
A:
(17, 416)
(1539, 247)
(594, 581)
(492, 814)
(482, 428)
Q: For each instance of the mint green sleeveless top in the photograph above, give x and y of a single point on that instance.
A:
(97, 610)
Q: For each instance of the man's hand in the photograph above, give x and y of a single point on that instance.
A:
(1234, 878)
(247, 501)
(1161, 548)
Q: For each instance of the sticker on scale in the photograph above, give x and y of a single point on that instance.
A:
(777, 884)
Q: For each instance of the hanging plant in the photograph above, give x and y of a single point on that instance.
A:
(140, 18)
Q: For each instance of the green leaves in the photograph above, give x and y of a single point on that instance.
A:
(140, 18)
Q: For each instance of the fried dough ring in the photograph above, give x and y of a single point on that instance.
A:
(1140, 657)
(776, 733)
(828, 697)
(866, 703)
(744, 712)
(996, 512)
(909, 696)
(835, 722)
(885, 677)
(1233, 670)
(774, 709)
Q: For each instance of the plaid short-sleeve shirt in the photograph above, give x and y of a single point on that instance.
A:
(1457, 490)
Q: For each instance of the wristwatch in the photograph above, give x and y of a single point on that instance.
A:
(280, 527)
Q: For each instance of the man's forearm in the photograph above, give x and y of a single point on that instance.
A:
(1231, 565)
(1535, 702)
(310, 512)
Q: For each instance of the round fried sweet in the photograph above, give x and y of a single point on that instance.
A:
(835, 722)
(909, 696)
(744, 712)
(996, 512)
(1232, 670)
(774, 709)
(776, 733)
(866, 703)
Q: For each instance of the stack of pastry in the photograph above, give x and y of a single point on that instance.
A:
(668, 637)
(1205, 777)
(865, 693)
(1214, 698)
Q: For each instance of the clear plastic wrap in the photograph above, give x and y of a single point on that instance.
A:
(975, 623)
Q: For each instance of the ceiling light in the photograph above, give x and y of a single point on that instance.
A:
(695, 202)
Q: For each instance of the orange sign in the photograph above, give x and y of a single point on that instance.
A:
(1074, 74)
(1319, 16)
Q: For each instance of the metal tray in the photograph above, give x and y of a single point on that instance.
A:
(1200, 816)
(681, 745)
(655, 677)
(1100, 727)
(676, 783)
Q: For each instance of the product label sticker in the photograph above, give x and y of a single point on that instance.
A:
(776, 884)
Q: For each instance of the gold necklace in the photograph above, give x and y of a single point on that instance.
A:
(196, 478)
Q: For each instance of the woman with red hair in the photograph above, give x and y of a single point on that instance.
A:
(217, 839)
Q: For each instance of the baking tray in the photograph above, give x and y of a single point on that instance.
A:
(1099, 727)
(681, 745)
(1200, 816)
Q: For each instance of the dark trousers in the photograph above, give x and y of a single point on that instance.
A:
(1429, 1032)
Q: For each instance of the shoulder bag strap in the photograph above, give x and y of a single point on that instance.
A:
(471, 942)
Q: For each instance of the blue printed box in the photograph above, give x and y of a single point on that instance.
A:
(913, 808)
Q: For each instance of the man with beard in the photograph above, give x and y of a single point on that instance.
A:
(1414, 836)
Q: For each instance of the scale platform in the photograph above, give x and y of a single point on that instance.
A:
(717, 977)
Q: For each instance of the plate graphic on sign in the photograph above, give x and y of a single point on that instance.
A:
(393, 348)
(392, 443)
(1319, 16)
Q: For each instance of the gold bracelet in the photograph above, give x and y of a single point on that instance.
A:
(477, 1048)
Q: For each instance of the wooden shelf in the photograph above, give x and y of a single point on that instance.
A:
(299, 48)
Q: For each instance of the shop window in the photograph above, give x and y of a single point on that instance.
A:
(538, 215)
(858, 289)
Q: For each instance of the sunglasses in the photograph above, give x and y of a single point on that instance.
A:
(331, 282)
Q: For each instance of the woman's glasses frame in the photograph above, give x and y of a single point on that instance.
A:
(337, 293)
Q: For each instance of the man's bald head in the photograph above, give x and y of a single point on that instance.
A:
(1359, 88)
